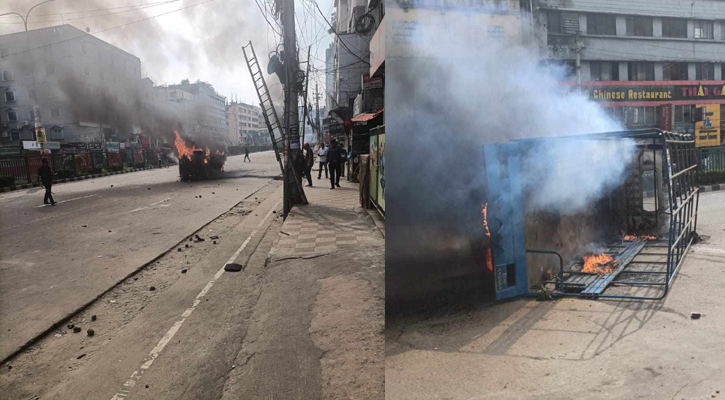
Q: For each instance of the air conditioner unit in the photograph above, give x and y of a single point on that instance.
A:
(26, 123)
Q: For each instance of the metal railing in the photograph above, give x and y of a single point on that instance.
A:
(712, 159)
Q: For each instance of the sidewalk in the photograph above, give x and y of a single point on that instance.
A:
(317, 330)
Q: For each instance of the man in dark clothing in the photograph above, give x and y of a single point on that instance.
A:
(341, 173)
(333, 159)
(309, 161)
(46, 178)
(246, 154)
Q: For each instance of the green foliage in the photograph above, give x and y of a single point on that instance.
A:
(62, 173)
(6, 181)
(711, 178)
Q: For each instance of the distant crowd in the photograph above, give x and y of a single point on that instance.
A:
(331, 158)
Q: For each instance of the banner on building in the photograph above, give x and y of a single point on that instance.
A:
(145, 142)
(654, 93)
(707, 132)
(33, 145)
(95, 146)
(371, 83)
(113, 147)
(666, 117)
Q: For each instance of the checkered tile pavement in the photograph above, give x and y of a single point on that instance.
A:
(329, 222)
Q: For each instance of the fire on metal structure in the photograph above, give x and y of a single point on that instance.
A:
(198, 163)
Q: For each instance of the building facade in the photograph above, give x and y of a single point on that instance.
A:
(84, 88)
(650, 63)
(245, 124)
(208, 108)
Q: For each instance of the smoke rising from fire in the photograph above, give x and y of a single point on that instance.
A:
(460, 89)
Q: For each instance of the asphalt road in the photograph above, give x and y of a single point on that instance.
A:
(57, 259)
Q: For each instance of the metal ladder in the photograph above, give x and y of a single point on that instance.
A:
(265, 102)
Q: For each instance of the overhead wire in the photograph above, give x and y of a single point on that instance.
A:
(151, 5)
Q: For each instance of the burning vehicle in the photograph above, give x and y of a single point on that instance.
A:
(198, 163)
(548, 229)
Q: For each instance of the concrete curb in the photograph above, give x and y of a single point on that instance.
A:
(73, 179)
(713, 188)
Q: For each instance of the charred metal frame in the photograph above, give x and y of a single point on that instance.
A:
(680, 164)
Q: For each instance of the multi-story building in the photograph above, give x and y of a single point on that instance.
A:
(245, 123)
(650, 63)
(352, 52)
(208, 107)
(330, 76)
(84, 88)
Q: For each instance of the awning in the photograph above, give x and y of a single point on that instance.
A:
(365, 117)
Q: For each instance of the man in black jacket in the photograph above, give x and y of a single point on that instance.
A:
(46, 178)
(334, 157)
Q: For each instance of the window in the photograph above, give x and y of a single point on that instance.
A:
(55, 112)
(639, 26)
(9, 96)
(604, 71)
(641, 71)
(7, 75)
(674, 71)
(12, 116)
(86, 70)
(638, 116)
(704, 71)
(56, 133)
(101, 75)
(495, 32)
(683, 113)
(84, 48)
(601, 24)
(553, 22)
(674, 27)
(14, 135)
(703, 29)
(50, 69)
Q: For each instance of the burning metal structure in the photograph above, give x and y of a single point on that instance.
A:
(626, 242)
(197, 163)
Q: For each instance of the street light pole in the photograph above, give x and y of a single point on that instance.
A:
(25, 19)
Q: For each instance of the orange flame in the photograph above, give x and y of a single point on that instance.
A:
(601, 264)
(489, 258)
(182, 148)
(635, 237)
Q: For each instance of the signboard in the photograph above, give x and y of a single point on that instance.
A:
(145, 142)
(337, 129)
(666, 117)
(122, 145)
(358, 105)
(707, 132)
(40, 135)
(377, 48)
(33, 145)
(113, 147)
(95, 146)
(371, 83)
(654, 93)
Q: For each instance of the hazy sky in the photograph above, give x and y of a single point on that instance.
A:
(179, 39)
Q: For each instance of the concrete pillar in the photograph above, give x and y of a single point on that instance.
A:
(691, 71)
(621, 25)
(717, 30)
(658, 72)
(623, 71)
(657, 27)
(718, 72)
(586, 71)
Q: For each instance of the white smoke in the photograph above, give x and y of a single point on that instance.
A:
(464, 89)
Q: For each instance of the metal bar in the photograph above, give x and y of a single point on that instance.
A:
(645, 272)
(647, 262)
(680, 141)
(683, 231)
(683, 171)
(638, 283)
(599, 285)
(561, 264)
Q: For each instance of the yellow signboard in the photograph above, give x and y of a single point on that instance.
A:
(40, 135)
(707, 132)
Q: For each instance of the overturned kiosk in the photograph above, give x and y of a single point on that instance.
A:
(627, 242)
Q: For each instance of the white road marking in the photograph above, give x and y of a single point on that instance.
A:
(161, 201)
(154, 354)
(65, 201)
(152, 205)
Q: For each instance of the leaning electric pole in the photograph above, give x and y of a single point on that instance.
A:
(317, 115)
(292, 152)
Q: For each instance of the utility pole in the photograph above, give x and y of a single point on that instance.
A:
(578, 62)
(317, 115)
(292, 152)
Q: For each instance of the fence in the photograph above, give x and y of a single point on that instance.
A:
(24, 168)
(712, 159)
(236, 150)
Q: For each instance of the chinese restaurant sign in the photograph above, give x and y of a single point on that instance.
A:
(653, 93)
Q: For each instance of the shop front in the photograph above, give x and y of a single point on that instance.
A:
(377, 168)
(692, 107)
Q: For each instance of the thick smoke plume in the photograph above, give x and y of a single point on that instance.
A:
(463, 90)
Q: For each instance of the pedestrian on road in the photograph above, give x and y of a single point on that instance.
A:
(46, 178)
(322, 153)
(158, 158)
(246, 154)
(310, 158)
(334, 157)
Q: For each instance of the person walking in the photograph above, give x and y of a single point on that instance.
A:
(334, 157)
(343, 154)
(246, 154)
(46, 178)
(322, 154)
(310, 161)
(158, 158)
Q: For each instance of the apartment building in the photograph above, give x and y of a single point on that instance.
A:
(245, 124)
(209, 108)
(650, 63)
(83, 87)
